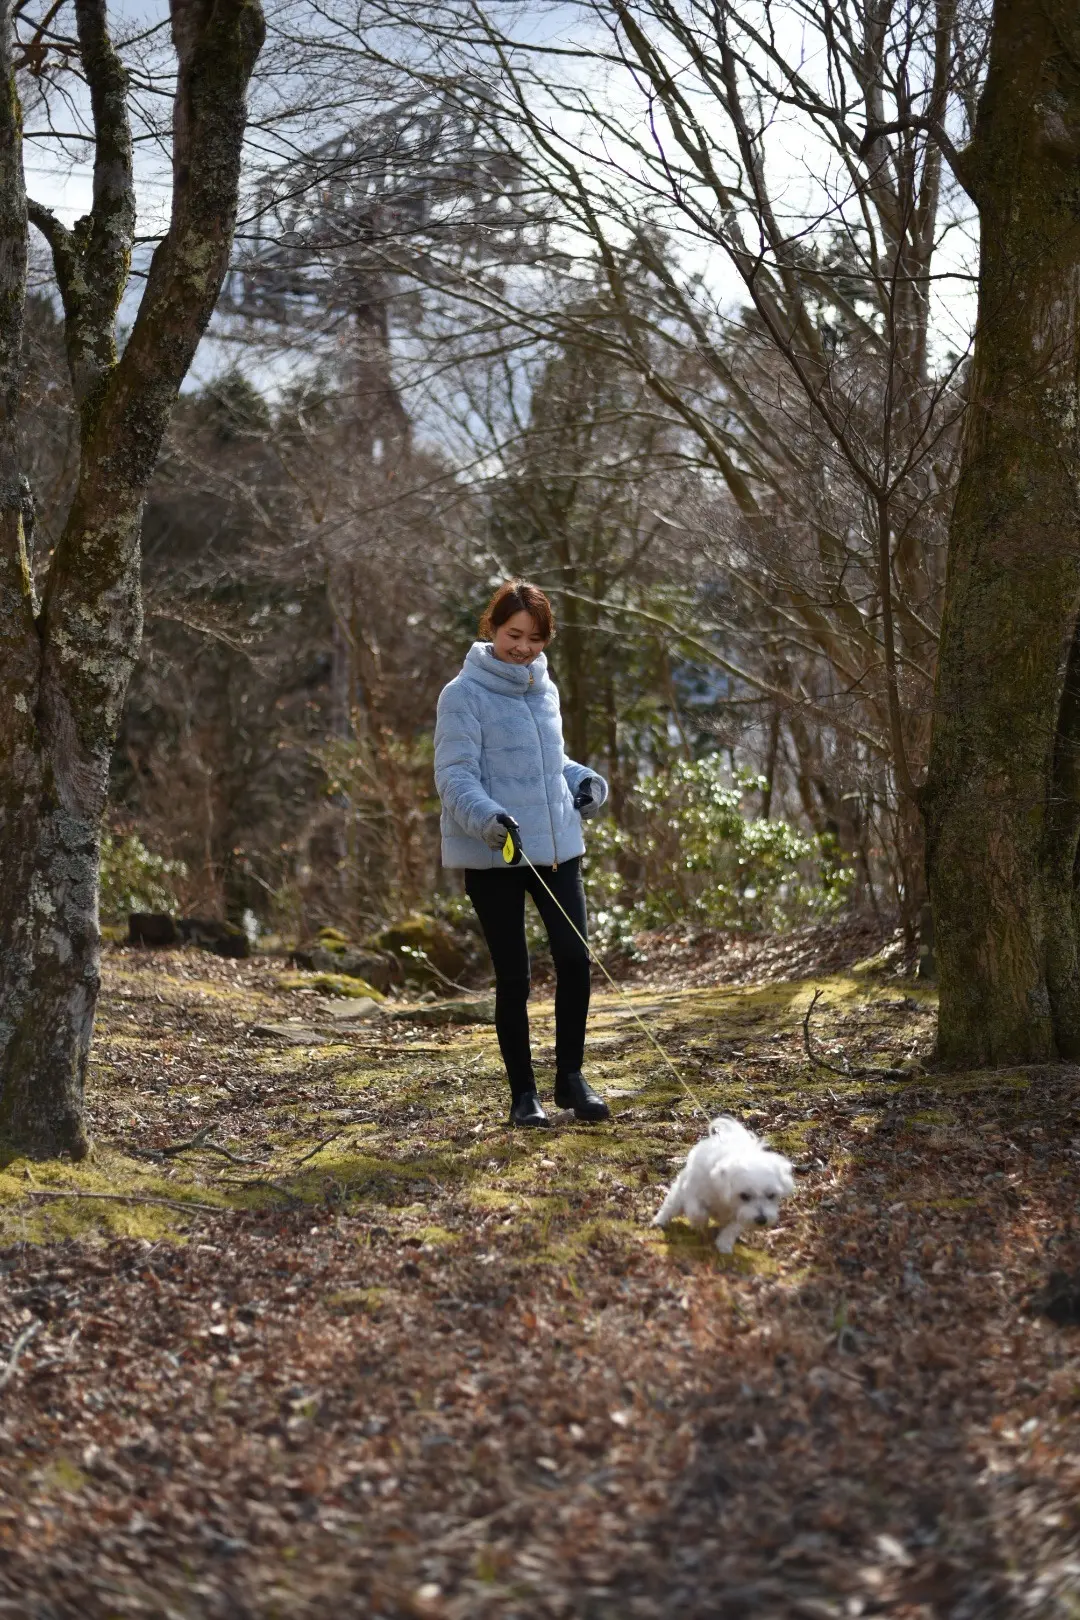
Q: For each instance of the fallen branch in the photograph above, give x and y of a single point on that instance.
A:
(233, 1158)
(318, 1149)
(845, 1074)
(848, 1073)
(212, 1147)
(194, 1144)
(274, 1186)
(124, 1198)
(271, 1186)
(197, 1147)
(408, 1043)
(17, 1349)
(183, 1147)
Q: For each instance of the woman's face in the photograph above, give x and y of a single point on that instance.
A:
(518, 640)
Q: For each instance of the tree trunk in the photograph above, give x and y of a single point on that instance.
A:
(1001, 802)
(772, 751)
(49, 926)
(64, 668)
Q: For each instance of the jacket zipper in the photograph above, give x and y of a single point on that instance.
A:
(547, 801)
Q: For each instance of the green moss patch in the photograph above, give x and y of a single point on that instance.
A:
(331, 984)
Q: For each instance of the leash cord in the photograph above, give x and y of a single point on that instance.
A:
(620, 993)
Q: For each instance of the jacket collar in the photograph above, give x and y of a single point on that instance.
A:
(482, 666)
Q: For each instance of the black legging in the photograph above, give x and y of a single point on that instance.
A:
(498, 897)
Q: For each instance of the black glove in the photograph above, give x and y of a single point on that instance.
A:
(583, 799)
(500, 826)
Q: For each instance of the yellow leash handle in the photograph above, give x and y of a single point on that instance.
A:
(511, 845)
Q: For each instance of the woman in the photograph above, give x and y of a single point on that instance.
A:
(500, 767)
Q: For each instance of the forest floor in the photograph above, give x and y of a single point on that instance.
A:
(372, 1354)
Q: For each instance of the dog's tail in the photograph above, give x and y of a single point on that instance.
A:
(672, 1204)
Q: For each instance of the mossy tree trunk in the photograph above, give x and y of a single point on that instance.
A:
(1002, 799)
(65, 663)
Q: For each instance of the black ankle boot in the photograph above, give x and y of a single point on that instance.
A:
(573, 1091)
(526, 1110)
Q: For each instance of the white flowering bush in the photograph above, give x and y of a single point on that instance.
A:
(687, 854)
(133, 878)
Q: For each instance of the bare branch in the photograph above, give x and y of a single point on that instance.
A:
(18, 644)
(93, 259)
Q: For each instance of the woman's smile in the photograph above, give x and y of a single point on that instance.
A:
(518, 640)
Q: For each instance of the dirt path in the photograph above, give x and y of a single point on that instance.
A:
(405, 1363)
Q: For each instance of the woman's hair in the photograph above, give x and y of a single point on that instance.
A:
(515, 596)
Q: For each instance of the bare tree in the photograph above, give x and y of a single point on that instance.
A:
(782, 173)
(1003, 794)
(65, 661)
(826, 149)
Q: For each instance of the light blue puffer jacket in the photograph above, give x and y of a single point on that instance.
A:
(499, 747)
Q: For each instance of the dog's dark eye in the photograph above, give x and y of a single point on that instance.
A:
(745, 1197)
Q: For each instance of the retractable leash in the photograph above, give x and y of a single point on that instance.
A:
(512, 853)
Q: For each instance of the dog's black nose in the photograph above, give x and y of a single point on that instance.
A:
(761, 1220)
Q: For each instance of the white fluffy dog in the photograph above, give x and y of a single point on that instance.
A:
(730, 1177)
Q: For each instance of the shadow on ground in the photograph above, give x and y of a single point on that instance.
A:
(409, 1363)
